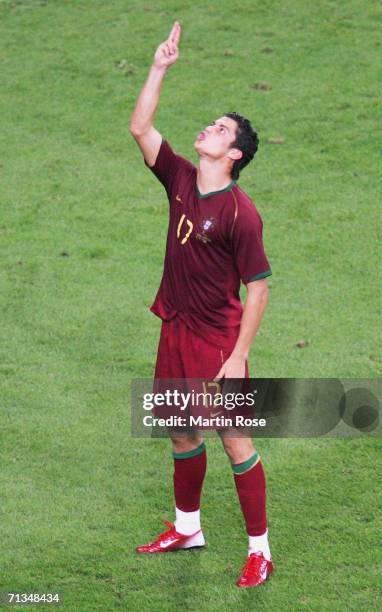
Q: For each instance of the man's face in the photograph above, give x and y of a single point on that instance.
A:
(215, 140)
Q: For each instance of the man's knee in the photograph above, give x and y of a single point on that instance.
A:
(238, 448)
(183, 442)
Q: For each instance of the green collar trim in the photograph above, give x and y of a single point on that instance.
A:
(211, 193)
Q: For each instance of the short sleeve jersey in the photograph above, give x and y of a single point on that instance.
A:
(214, 242)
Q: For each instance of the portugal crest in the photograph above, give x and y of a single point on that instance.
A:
(208, 225)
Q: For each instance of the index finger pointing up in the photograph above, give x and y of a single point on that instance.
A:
(175, 33)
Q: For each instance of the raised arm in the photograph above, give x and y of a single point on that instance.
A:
(141, 123)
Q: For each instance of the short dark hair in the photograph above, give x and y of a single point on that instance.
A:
(246, 140)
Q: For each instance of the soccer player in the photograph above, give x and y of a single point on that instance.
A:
(214, 242)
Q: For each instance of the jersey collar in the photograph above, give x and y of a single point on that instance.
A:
(211, 193)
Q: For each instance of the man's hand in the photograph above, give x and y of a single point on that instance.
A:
(168, 52)
(234, 367)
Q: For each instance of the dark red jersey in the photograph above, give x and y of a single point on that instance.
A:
(214, 241)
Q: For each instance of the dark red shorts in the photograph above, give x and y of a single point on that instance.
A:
(183, 354)
(189, 363)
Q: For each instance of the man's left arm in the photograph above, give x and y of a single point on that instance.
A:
(254, 307)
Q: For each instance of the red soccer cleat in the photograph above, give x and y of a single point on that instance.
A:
(255, 571)
(171, 540)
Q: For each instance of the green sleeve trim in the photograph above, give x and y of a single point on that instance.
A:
(192, 453)
(239, 468)
(154, 164)
(259, 276)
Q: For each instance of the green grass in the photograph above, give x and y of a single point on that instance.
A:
(78, 492)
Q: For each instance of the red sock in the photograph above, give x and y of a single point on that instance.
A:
(250, 486)
(189, 472)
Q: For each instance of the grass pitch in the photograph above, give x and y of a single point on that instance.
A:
(82, 235)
